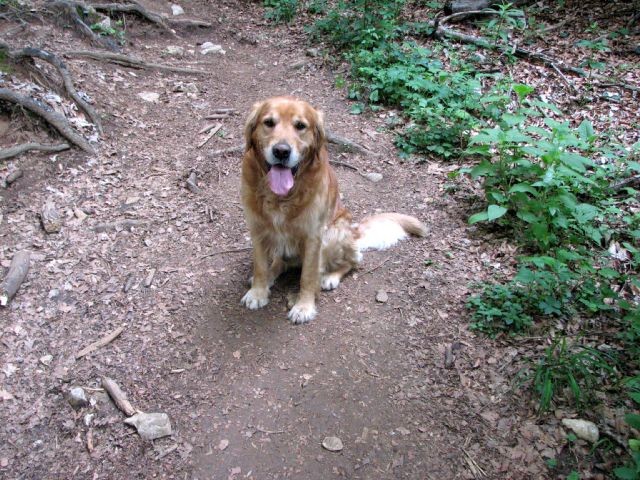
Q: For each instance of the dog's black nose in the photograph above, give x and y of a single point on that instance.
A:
(281, 151)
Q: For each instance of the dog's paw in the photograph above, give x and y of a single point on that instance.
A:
(301, 313)
(330, 281)
(255, 298)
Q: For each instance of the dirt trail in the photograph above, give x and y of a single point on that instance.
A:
(249, 395)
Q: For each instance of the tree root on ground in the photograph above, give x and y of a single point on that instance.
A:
(69, 9)
(25, 147)
(135, 8)
(132, 62)
(64, 73)
(56, 120)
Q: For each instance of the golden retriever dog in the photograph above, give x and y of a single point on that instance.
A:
(293, 209)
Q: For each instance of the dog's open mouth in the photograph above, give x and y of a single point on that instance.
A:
(281, 179)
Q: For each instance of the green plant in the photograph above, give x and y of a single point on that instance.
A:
(506, 19)
(109, 30)
(594, 47)
(316, 7)
(575, 367)
(280, 11)
(631, 471)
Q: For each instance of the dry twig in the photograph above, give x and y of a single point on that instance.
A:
(211, 134)
(118, 396)
(106, 340)
(25, 147)
(131, 62)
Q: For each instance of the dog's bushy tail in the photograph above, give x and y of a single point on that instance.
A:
(381, 231)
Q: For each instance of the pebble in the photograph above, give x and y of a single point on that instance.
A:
(150, 425)
(374, 177)
(174, 50)
(149, 96)
(177, 10)
(333, 444)
(208, 47)
(583, 429)
(46, 360)
(77, 397)
(381, 296)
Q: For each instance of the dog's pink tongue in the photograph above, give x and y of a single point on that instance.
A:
(280, 180)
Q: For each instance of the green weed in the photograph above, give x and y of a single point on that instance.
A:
(280, 11)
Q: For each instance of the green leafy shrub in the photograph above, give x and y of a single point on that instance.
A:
(281, 11)
(631, 471)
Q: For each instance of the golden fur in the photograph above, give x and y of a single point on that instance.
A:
(308, 226)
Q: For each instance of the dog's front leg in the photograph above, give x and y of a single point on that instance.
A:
(258, 295)
(305, 308)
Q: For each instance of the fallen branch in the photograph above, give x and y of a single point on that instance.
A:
(188, 22)
(221, 252)
(344, 164)
(627, 182)
(106, 340)
(347, 145)
(213, 131)
(118, 396)
(56, 120)
(123, 224)
(132, 62)
(224, 151)
(17, 273)
(64, 73)
(25, 147)
(135, 8)
(442, 32)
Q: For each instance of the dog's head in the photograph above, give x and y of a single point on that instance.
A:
(286, 135)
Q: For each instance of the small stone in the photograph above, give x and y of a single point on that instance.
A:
(208, 47)
(105, 23)
(381, 296)
(51, 220)
(4, 462)
(174, 51)
(313, 52)
(150, 425)
(297, 64)
(333, 444)
(583, 429)
(152, 97)
(403, 431)
(374, 177)
(224, 443)
(177, 10)
(131, 200)
(77, 397)
(46, 360)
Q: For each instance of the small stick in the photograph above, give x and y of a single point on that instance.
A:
(192, 183)
(217, 116)
(206, 128)
(172, 448)
(268, 432)
(563, 77)
(124, 224)
(149, 280)
(131, 279)
(343, 164)
(210, 136)
(106, 340)
(25, 147)
(235, 250)
(13, 176)
(90, 440)
(378, 266)
(118, 396)
(224, 151)
(17, 273)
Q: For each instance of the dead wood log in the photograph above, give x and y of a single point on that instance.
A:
(349, 146)
(460, 6)
(106, 340)
(17, 273)
(55, 119)
(50, 58)
(118, 396)
(135, 8)
(188, 22)
(25, 147)
(132, 62)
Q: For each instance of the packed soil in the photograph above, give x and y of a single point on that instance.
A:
(248, 394)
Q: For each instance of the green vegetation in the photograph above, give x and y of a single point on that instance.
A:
(114, 31)
(548, 183)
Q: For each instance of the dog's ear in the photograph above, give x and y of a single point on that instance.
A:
(252, 121)
(319, 132)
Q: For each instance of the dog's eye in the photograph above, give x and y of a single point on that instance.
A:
(268, 122)
(300, 126)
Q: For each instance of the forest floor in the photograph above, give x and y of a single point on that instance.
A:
(249, 395)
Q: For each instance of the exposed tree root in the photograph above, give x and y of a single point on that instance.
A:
(55, 119)
(25, 147)
(135, 8)
(69, 9)
(64, 73)
(132, 62)
(17, 273)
